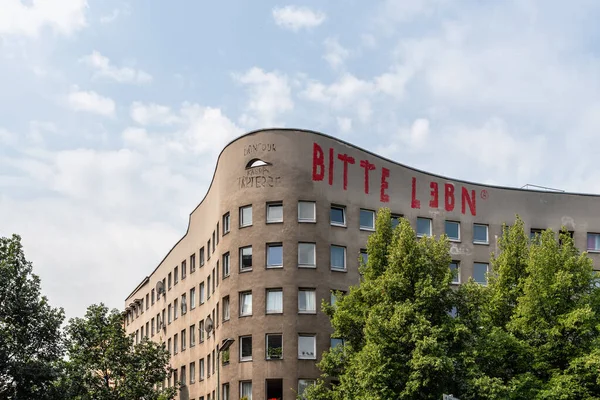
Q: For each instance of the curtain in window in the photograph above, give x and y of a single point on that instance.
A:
(275, 301)
(306, 300)
(246, 390)
(593, 242)
(246, 304)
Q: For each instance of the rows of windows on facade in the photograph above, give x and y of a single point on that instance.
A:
(306, 252)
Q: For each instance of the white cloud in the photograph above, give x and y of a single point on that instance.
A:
(269, 96)
(295, 18)
(335, 53)
(344, 124)
(152, 114)
(90, 101)
(104, 68)
(62, 16)
(116, 13)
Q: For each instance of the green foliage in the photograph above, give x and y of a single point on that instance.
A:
(531, 333)
(105, 364)
(30, 344)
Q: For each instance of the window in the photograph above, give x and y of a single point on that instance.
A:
(367, 219)
(338, 258)
(183, 375)
(192, 263)
(202, 257)
(245, 348)
(423, 227)
(396, 220)
(192, 298)
(208, 250)
(335, 342)
(307, 301)
(169, 280)
(213, 242)
(213, 281)
(337, 216)
(452, 230)
(454, 267)
(183, 304)
(208, 365)
(307, 347)
(245, 304)
(152, 296)
(225, 391)
(274, 301)
(246, 389)
(152, 327)
(274, 346)
(217, 269)
(176, 275)
(480, 273)
(192, 335)
(274, 388)
(274, 255)
(274, 212)
(226, 223)
(226, 308)
(562, 234)
(307, 211)
(183, 269)
(593, 241)
(226, 265)
(245, 216)
(175, 341)
(246, 258)
(213, 362)
(201, 369)
(335, 296)
(175, 305)
(364, 257)
(208, 287)
(303, 384)
(170, 313)
(201, 330)
(183, 340)
(201, 293)
(169, 346)
(147, 302)
(307, 255)
(535, 235)
(192, 372)
(147, 329)
(480, 234)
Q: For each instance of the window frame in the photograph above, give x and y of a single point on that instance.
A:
(314, 208)
(241, 259)
(314, 255)
(487, 270)
(314, 351)
(487, 234)
(269, 291)
(452, 239)
(241, 308)
(270, 205)
(331, 247)
(270, 246)
(314, 293)
(242, 357)
(226, 223)
(338, 224)
(430, 234)
(226, 265)
(364, 227)
(267, 356)
(587, 244)
(226, 308)
(241, 216)
(456, 277)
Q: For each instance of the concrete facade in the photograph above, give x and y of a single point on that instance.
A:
(311, 167)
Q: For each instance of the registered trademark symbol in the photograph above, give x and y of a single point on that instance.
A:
(484, 194)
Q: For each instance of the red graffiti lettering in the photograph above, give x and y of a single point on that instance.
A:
(318, 169)
(470, 200)
(331, 159)
(414, 203)
(346, 159)
(368, 167)
(433, 203)
(449, 197)
(383, 196)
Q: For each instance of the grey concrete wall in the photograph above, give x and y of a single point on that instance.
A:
(300, 170)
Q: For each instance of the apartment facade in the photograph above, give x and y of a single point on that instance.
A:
(283, 224)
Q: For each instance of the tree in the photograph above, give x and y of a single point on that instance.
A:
(30, 340)
(531, 333)
(104, 363)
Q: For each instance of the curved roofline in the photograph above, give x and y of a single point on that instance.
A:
(353, 146)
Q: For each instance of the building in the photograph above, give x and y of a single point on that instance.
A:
(285, 219)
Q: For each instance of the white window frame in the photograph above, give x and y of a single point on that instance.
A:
(303, 384)
(267, 346)
(487, 270)
(192, 335)
(487, 234)
(456, 278)
(314, 212)
(331, 258)
(307, 355)
(242, 294)
(243, 223)
(201, 369)
(313, 264)
(430, 227)
(270, 219)
(314, 294)
(364, 227)
(226, 308)
(343, 208)
(242, 269)
(201, 330)
(594, 250)
(269, 291)
(246, 358)
(268, 257)
(226, 223)
(192, 372)
(246, 383)
(226, 265)
(193, 298)
(451, 238)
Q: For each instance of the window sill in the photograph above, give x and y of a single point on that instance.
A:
(339, 270)
(274, 267)
(307, 312)
(249, 360)
(593, 251)
(307, 358)
(368, 229)
(274, 222)
(307, 221)
(245, 226)
(307, 266)
(245, 315)
(245, 270)
(482, 243)
(225, 233)
(338, 225)
(274, 359)
(274, 313)
(422, 235)
(454, 240)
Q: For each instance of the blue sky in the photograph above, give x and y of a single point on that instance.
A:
(112, 113)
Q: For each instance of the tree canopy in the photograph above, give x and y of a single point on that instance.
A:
(531, 333)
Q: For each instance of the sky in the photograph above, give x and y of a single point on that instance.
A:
(112, 112)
